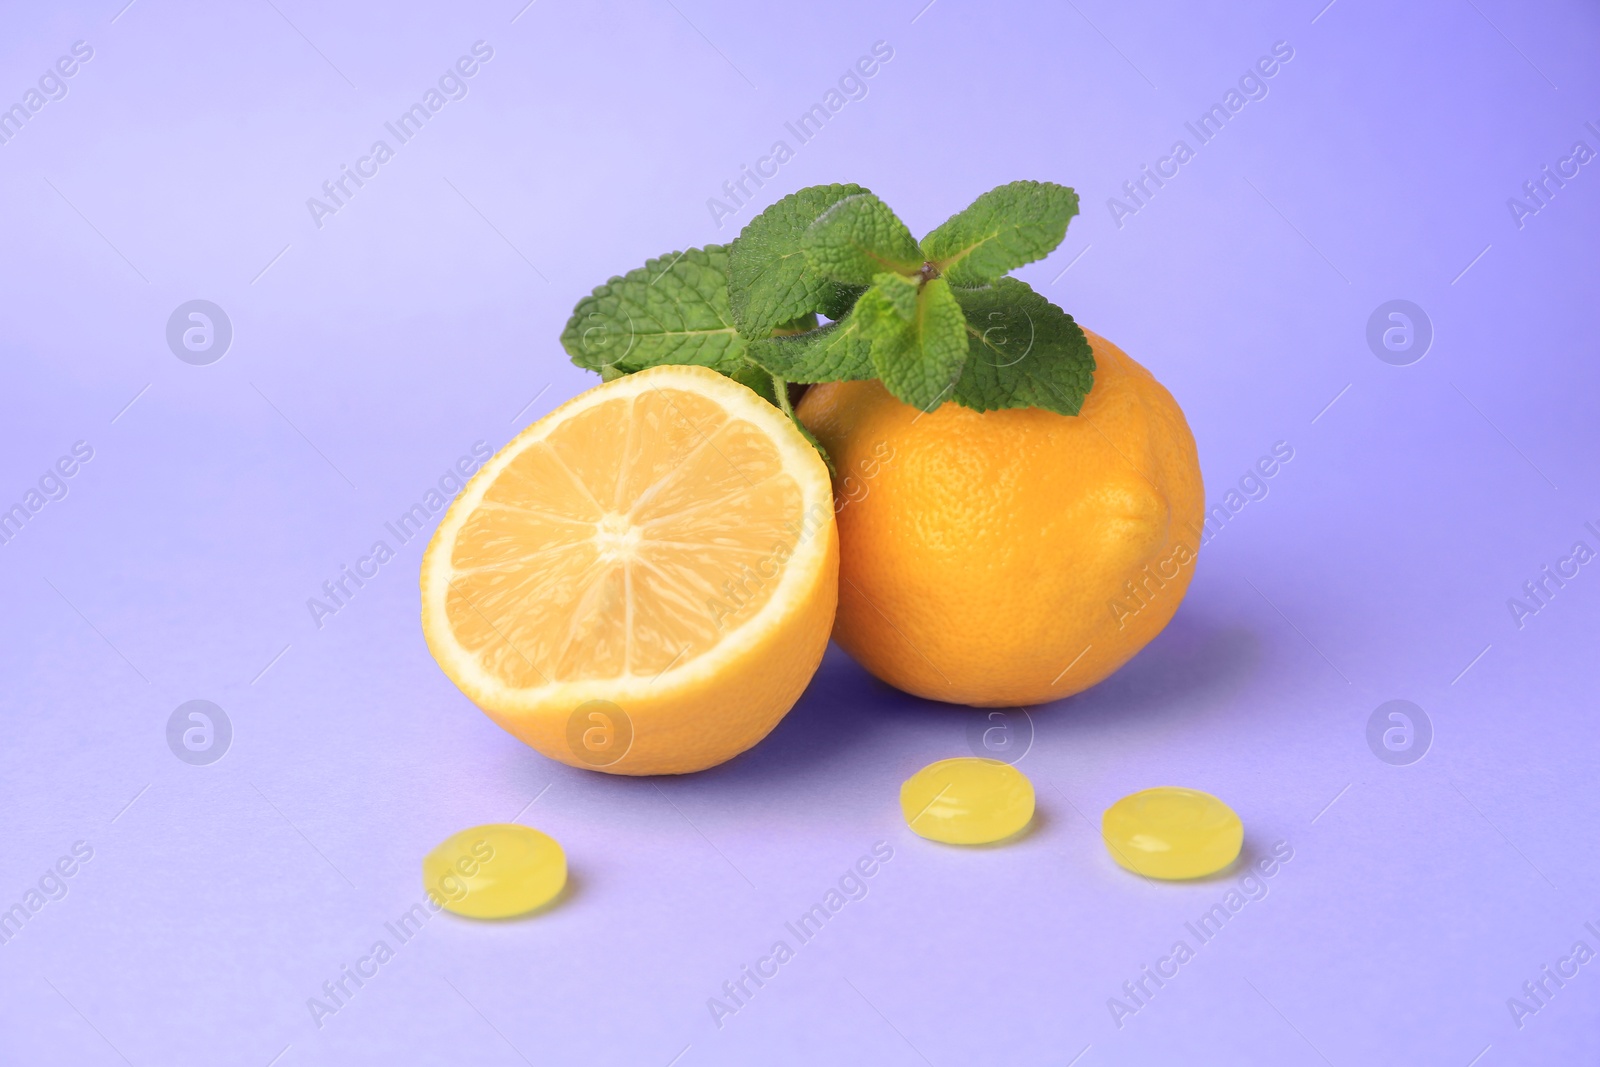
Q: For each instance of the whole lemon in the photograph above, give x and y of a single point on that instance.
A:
(1014, 556)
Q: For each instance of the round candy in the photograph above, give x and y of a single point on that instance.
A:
(495, 871)
(1170, 832)
(967, 801)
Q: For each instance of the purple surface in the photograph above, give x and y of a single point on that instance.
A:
(422, 317)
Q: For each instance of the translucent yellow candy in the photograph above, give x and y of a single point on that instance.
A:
(967, 801)
(495, 871)
(1169, 832)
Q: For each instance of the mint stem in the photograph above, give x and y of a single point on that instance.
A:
(781, 389)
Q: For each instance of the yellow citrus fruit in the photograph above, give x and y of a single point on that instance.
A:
(1009, 557)
(643, 581)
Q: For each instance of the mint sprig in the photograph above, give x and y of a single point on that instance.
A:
(1023, 351)
(768, 278)
(671, 310)
(857, 239)
(918, 337)
(836, 352)
(935, 320)
(1000, 231)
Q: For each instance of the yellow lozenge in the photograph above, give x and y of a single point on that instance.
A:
(495, 871)
(967, 801)
(1171, 832)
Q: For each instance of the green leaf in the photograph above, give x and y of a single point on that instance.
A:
(839, 299)
(963, 332)
(858, 238)
(941, 329)
(671, 310)
(770, 281)
(893, 295)
(1024, 352)
(755, 378)
(918, 346)
(1002, 229)
(838, 352)
(803, 324)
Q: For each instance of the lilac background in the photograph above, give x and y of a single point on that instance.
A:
(424, 317)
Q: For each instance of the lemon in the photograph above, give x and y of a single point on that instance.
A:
(644, 580)
(1015, 556)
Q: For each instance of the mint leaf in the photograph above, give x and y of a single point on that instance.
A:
(858, 238)
(918, 335)
(941, 329)
(672, 310)
(894, 296)
(770, 281)
(802, 324)
(1024, 352)
(839, 299)
(1001, 230)
(757, 380)
(838, 352)
(934, 321)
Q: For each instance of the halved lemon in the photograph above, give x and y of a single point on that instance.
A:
(644, 580)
